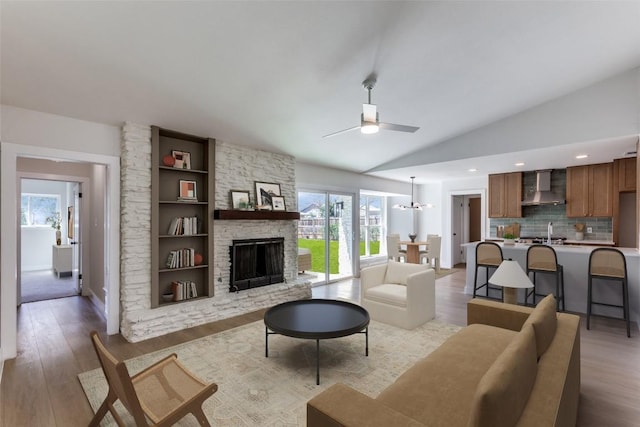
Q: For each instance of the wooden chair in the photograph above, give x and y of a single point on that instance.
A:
(163, 393)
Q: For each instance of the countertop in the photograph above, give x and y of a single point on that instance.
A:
(576, 249)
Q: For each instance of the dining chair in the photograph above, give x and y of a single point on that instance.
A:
(393, 248)
(163, 393)
(432, 253)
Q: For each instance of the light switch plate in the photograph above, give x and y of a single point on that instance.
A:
(589, 229)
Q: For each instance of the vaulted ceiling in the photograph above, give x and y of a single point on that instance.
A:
(280, 75)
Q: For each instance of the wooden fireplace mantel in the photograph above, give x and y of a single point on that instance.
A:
(260, 215)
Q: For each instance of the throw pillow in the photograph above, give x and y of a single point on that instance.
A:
(504, 390)
(397, 272)
(544, 321)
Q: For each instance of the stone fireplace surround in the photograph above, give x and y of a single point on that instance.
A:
(237, 168)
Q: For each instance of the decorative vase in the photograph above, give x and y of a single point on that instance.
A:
(197, 259)
(58, 237)
(413, 237)
(509, 241)
(579, 235)
(168, 160)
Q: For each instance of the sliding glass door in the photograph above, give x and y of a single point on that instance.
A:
(325, 230)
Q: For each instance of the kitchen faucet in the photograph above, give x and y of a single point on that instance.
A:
(549, 232)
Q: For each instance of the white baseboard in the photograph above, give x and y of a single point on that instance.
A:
(96, 301)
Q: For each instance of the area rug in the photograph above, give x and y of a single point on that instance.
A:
(258, 391)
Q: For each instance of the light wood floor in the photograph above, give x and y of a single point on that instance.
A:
(40, 387)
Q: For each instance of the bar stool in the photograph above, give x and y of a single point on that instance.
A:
(488, 255)
(543, 259)
(609, 264)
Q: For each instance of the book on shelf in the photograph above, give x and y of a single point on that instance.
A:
(184, 226)
(181, 258)
(183, 290)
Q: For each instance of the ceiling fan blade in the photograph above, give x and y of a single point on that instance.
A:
(369, 112)
(401, 128)
(341, 131)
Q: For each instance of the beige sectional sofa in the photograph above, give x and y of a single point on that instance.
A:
(511, 366)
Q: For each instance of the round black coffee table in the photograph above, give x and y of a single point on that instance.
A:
(316, 319)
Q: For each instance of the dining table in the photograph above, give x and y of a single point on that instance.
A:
(413, 250)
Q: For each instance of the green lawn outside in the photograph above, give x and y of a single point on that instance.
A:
(317, 253)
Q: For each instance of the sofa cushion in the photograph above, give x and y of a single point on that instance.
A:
(397, 272)
(544, 321)
(504, 390)
(388, 294)
(438, 390)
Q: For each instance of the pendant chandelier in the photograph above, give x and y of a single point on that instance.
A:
(414, 205)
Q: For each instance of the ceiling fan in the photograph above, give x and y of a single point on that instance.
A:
(369, 119)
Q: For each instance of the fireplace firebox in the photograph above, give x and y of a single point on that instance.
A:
(256, 262)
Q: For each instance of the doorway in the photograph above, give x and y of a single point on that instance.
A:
(325, 230)
(105, 171)
(50, 258)
(467, 222)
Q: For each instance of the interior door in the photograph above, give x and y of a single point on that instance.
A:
(74, 235)
(457, 229)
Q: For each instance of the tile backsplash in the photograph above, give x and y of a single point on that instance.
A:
(535, 218)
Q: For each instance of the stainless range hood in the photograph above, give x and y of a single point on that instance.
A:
(543, 194)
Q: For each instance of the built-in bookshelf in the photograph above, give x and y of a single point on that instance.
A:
(182, 198)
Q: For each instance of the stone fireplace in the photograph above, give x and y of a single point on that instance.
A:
(237, 167)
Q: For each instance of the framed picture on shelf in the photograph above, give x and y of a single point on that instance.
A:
(183, 159)
(187, 190)
(264, 192)
(239, 199)
(277, 202)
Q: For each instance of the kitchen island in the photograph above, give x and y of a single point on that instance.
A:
(575, 261)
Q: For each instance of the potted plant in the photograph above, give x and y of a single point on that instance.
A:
(56, 220)
(579, 231)
(509, 239)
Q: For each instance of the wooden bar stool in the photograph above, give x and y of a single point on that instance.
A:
(488, 255)
(543, 259)
(609, 264)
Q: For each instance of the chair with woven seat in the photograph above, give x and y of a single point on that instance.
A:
(163, 393)
(608, 264)
(543, 259)
(488, 255)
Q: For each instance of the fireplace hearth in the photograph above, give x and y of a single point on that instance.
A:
(256, 262)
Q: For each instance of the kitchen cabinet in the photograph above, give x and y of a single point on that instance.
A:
(505, 195)
(590, 191)
(626, 173)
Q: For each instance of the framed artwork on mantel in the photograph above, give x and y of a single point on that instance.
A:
(264, 192)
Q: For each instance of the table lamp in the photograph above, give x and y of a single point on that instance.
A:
(511, 277)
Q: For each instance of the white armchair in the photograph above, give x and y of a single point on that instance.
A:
(399, 294)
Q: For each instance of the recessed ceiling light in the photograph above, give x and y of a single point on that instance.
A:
(473, 170)
(520, 164)
(582, 156)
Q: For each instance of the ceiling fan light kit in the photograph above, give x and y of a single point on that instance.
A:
(369, 119)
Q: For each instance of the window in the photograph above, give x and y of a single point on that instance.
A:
(371, 220)
(36, 208)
